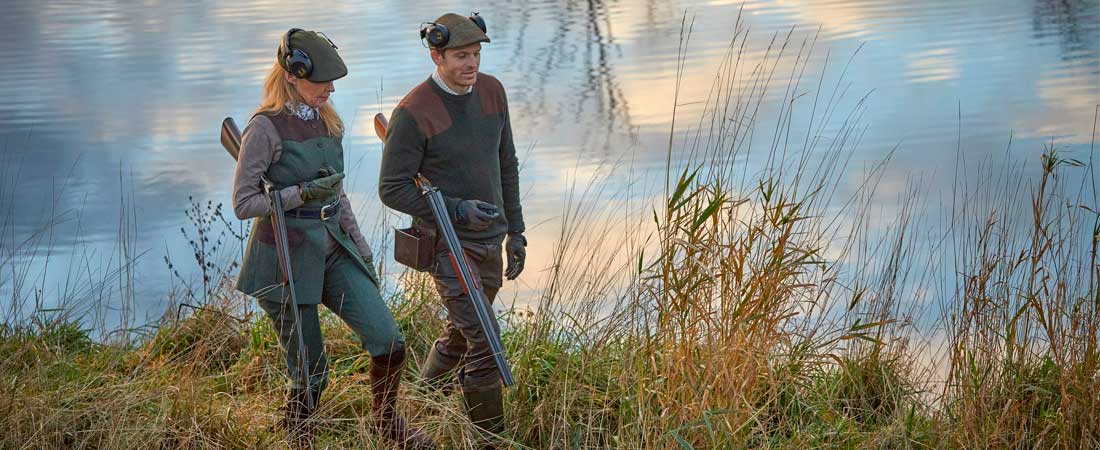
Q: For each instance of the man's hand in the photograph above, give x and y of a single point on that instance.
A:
(323, 187)
(475, 214)
(516, 249)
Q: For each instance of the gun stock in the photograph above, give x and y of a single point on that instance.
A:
(231, 137)
(381, 125)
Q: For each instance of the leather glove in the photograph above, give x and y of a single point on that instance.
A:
(320, 188)
(475, 214)
(516, 250)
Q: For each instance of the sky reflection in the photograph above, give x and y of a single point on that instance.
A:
(113, 99)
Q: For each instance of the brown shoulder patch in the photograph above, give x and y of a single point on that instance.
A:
(427, 109)
(491, 93)
(294, 129)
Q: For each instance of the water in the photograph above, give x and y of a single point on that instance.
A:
(109, 110)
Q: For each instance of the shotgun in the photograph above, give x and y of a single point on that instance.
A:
(231, 140)
(470, 284)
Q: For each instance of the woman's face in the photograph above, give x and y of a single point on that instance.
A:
(314, 94)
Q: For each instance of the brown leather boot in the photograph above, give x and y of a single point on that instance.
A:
(385, 379)
(300, 431)
(486, 411)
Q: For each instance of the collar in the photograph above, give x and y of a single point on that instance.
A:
(301, 110)
(443, 85)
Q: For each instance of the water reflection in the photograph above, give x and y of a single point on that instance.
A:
(112, 97)
(1074, 23)
(575, 55)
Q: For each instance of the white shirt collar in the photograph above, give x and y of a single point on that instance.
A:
(443, 85)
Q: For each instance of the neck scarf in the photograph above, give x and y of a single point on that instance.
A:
(302, 110)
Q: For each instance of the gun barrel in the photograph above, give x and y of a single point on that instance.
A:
(470, 284)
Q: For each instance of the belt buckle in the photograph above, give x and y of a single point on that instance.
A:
(325, 215)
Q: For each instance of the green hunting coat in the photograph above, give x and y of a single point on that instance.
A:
(289, 151)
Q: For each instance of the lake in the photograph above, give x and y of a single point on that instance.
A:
(110, 110)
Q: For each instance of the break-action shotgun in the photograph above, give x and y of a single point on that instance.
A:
(231, 140)
(470, 284)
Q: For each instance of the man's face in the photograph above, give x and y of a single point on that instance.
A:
(459, 66)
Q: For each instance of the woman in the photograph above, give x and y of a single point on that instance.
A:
(293, 141)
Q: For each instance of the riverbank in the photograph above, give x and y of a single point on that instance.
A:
(729, 338)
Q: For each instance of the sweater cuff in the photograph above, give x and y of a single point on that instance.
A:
(452, 208)
(292, 197)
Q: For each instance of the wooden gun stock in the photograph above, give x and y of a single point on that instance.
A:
(231, 137)
(381, 125)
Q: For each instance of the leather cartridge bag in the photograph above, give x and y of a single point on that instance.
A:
(415, 247)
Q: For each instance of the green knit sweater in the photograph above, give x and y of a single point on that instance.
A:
(463, 145)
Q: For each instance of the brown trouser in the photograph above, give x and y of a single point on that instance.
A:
(464, 341)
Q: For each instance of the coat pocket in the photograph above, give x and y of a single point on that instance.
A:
(265, 233)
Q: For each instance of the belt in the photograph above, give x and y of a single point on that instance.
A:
(324, 213)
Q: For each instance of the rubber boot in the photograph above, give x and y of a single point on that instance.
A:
(486, 411)
(300, 430)
(437, 373)
(385, 377)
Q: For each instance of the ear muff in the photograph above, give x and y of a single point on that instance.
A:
(435, 35)
(480, 22)
(295, 61)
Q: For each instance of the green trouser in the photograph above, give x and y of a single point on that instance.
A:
(354, 297)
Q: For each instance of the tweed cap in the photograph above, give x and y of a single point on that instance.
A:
(463, 30)
(327, 64)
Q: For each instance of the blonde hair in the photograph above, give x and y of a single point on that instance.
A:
(278, 91)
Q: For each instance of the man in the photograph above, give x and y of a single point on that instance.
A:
(454, 129)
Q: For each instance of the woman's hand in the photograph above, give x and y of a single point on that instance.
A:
(323, 187)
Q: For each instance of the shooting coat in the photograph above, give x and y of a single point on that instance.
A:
(300, 149)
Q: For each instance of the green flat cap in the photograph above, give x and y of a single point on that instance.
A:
(327, 64)
(463, 30)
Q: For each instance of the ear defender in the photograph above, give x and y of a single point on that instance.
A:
(434, 34)
(437, 35)
(295, 61)
(480, 22)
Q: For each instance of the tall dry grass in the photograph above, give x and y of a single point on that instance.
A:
(1022, 321)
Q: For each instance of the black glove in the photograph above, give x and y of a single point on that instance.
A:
(475, 214)
(323, 187)
(516, 249)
